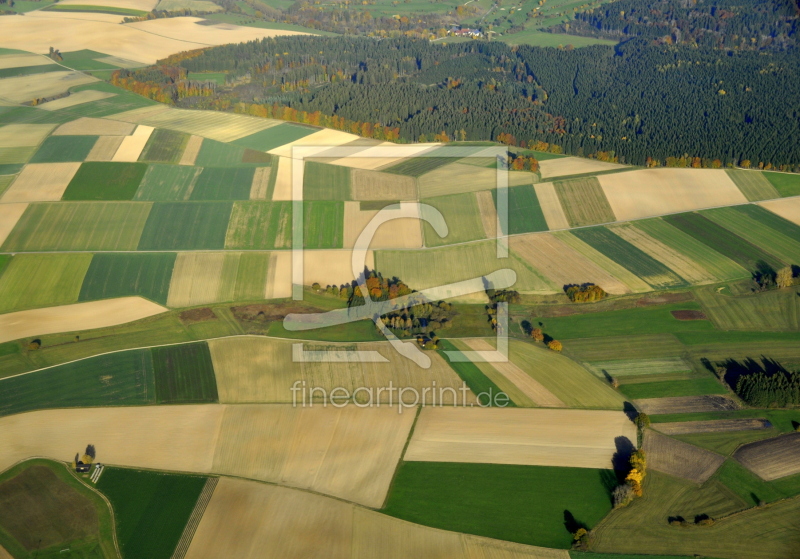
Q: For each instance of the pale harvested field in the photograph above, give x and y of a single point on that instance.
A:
(529, 386)
(86, 126)
(279, 275)
(143, 5)
(283, 180)
(711, 426)
(19, 135)
(192, 149)
(397, 233)
(650, 192)
(131, 147)
(251, 520)
(77, 98)
(772, 458)
(680, 459)
(252, 369)
(160, 437)
(88, 16)
(186, 29)
(564, 166)
(346, 452)
(121, 62)
(22, 89)
(324, 137)
(41, 182)
(195, 5)
(374, 185)
(456, 178)
(222, 127)
(562, 264)
(79, 316)
(686, 404)
(488, 213)
(329, 267)
(787, 208)
(104, 148)
(258, 190)
(631, 280)
(685, 267)
(538, 437)
(551, 206)
(384, 155)
(196, 279)
(9, 216)
(22, 60)
(4, 554)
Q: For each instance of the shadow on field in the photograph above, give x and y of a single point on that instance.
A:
(572, 524)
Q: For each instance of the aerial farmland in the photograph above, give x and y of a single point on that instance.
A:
(292, 280)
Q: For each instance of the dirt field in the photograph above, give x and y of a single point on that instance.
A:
(651, 192)
(551, 206)
(22, 89)
(256, 369)
(77, 98)
(324, 137)
(788, 208)
(772, 458)
(561, 264)
(258, 190)
(373, 185)
(529, 386)
(346, 452)
(397, 233)
(250, 520)
(329, 267)
(41, 182)
(686, 404)
(680, 459)
(688, 269)
(104, 148)
(382, 156)
(79, 316)
(131, 147)
(488, 213)
(711, 426)
(564, 166)
(161, 437)
(196, 279)
(9, 216)
(192, 149)
(19, 135)
(22, 60)
(94, 127)
(570, 438)
(283, 180)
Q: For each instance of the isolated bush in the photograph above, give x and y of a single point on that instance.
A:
(537, 334)
(555, 345)
(34, 345)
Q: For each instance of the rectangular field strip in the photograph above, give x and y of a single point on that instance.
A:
(322, 181)
(756, 232)
(58, 149)
(217, 154)
(164, 146)
(42, 280)
(102, 180)
(462, 216)
(223, 184)
(274, 137)
(184, 374)
(524, 211)
(186, 226)
(260, 226)
(323, 224)
(120, 275)
(753, 184)
(584, 202)
(166, 183)
(787, 184)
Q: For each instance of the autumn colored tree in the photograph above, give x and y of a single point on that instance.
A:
(537, 334)
(555, 345)
(785, 277)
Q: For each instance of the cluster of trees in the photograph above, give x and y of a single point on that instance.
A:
(734, 24)
(764, 389)
(680, 106)
(766, 278)
(537, 335)
(625, 493)
(584, 293)
(521, 162)
(165, 84)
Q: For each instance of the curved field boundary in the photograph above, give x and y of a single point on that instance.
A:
(771, 458)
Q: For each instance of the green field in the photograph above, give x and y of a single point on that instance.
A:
(787, 184)
(12, 159)
(251, 276)
(29, 70)
(79, 226)
(164, 146)
(42, 280)
(186, 226)
(726, 443)
(121, 275)
(167, 183)
(322, 181)
(632, 370)
(418, 166)
(115, 379)
(274, 137)
(774, 221)
(94, 9)
(121, 101)
(539, 39)
(218, 154)
(721, 267)
(46, 513)
(57, 149)
(757, 233)
(323, 224)
(478, 382)
(584, 202)
(632, 346)
(184, 374)
(462, 216)
(223, 184)
(104, 180)
(525, 504)
(630, 257)
(723, 241)
(748, 486)
(150, 509)
(664, 389)
(217, 77)
(85, 60)
(753, 184)
(260, 225)
(776, 310)
(524, 212)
